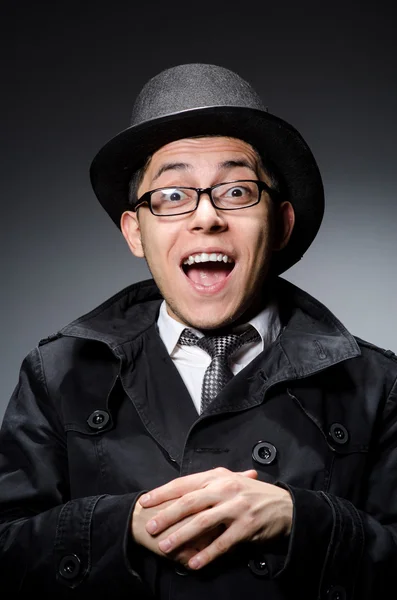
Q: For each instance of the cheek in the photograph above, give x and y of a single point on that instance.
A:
(260, 252)
(261, 241)
(158, 242)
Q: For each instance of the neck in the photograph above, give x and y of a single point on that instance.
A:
(261, 300)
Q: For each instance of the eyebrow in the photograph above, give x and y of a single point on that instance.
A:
(227, 164)
(177, 166)
(231, 164)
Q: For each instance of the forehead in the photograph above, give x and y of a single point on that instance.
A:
(205, 148)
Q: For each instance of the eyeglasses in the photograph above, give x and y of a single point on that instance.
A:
(233, 195)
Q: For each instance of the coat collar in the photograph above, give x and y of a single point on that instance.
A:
(312, 338)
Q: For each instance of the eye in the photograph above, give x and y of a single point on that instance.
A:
(173, 195)
(236, 192)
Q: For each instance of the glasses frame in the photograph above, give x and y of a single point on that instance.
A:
(146, 198)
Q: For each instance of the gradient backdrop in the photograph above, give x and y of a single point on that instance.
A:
(71, 72)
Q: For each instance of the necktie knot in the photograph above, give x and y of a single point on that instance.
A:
(223, 345)
(220, 348)
(219, 345)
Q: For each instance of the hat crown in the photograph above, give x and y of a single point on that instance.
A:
(192, 86)
(204, 99)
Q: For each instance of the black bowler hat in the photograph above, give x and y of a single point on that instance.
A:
(199, 99)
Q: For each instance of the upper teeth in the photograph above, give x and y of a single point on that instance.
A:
(204, 257)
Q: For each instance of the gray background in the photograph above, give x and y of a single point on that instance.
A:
(71, 72)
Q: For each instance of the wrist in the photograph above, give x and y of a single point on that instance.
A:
(287, 512)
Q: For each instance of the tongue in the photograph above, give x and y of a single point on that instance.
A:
(209, 274)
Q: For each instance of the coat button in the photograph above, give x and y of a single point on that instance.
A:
(98, 419)
(69, 567)
(336, 592)
(258, 566)
(181, 570)
(338, 433)
(264, 453)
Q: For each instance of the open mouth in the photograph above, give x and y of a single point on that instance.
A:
(207, 269)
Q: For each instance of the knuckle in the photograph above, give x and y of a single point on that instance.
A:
(204, 521)
(232, 486)
(248, 521)
(187, 501)
(221, 471)
(176, 538)
(243, 506)
(221, 545)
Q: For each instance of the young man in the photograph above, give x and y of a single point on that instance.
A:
(216, 431)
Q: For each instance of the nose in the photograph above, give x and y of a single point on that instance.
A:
(207, 217)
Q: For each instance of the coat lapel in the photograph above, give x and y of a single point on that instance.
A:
(158, 392)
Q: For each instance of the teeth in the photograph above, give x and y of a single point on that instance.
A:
(204, 257)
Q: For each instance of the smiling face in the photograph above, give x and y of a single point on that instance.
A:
(209, 264)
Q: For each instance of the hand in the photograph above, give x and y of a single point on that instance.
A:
(249, 510)
(140, 518)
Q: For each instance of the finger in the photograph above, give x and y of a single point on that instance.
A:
(185, 555)
(186, 552)
(250, 473)
(172, 490)
(222, 544)
(202, 524)
(196, 501)
(178, 487)
(187, 505)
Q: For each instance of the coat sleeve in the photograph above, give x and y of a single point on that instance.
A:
(49, 543)
(340, 551)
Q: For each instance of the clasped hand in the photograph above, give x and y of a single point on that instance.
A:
(196, 518)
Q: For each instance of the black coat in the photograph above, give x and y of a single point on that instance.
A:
(100, 414)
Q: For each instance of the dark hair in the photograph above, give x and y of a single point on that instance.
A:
(136, 181)
(263, 163)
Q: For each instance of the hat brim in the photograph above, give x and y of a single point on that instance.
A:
(275, 140)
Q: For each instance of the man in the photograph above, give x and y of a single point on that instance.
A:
(215, 432)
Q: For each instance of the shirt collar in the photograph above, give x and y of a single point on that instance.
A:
(266, 322)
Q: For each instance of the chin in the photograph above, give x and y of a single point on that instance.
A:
(205, 322)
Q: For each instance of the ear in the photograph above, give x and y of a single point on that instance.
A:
(131, 231)
(285, 221)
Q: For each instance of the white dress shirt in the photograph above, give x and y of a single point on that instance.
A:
(192, 361)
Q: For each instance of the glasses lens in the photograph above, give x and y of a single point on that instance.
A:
(173, 201)
(238, 194)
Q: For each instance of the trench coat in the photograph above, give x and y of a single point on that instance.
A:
(100, 414)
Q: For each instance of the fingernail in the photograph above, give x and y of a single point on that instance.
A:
(151, 526)
(194, 563)
(165, 545)
(144, 499)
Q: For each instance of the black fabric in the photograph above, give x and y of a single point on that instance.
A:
(67, 490)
